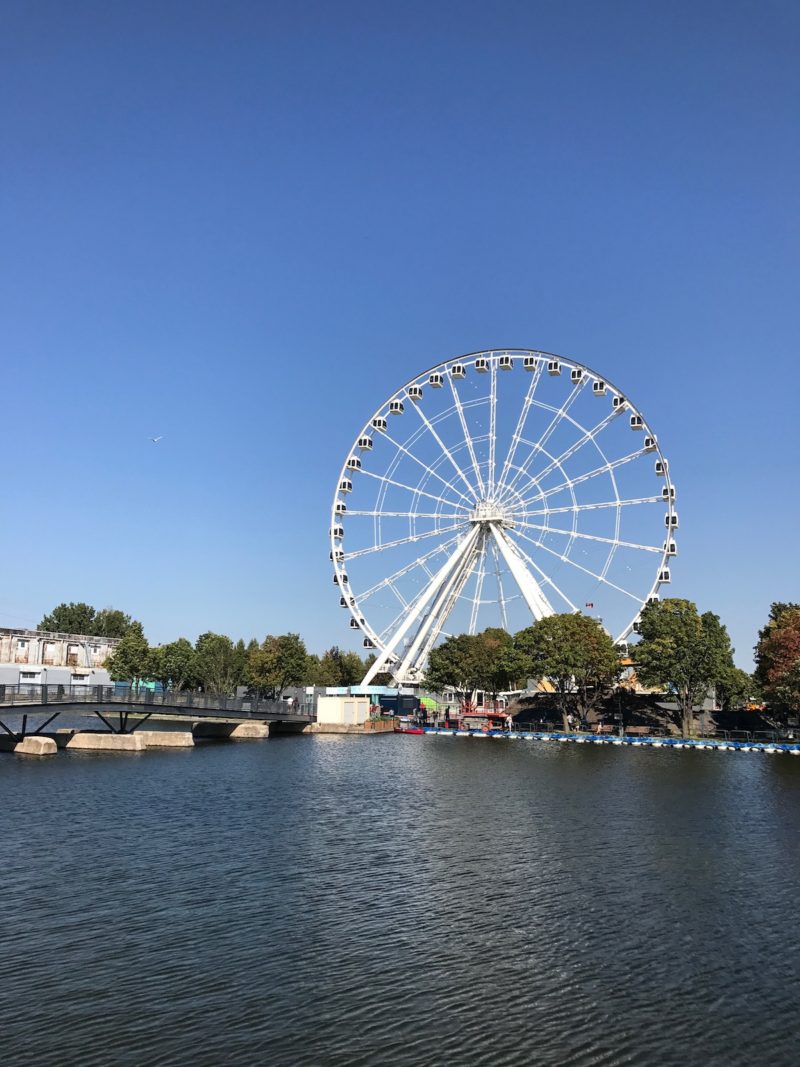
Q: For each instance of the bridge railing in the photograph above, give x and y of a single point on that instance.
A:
(24, 695)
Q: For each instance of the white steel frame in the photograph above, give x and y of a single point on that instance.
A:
(475, 513)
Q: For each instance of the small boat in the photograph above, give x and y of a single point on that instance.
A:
(406, 725)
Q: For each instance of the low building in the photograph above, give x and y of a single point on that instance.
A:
(36, 657)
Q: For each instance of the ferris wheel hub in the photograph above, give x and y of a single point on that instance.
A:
(490, 511)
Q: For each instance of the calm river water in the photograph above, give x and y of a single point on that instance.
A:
(399, 900)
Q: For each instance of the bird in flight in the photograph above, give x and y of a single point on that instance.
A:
(155, 440)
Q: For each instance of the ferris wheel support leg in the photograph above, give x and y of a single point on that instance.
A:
(531, 591)
(432, 622)
(430, 591)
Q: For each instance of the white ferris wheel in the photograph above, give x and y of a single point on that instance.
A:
(493, 490)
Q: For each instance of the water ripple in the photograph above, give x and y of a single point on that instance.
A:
(405, 901)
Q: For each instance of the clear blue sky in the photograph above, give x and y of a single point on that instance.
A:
(243, 225)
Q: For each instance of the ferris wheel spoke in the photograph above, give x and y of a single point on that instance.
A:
(500, 592)
(407, 515)
(523, 415)
(473, 615)
(408, 567)
(550, 429)
(432, 430)
(417, 492)
(579, 566)
(605, 468)
(545, 577)
(532, 593)
(467, 436)
(465, 546)
(585, 438)
(407, 452)
(432, 624)
(397, 543)
(591, 537)
(596, 507)
(492, 422)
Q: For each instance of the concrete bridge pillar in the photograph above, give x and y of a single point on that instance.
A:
(32, 745)
(230, 731)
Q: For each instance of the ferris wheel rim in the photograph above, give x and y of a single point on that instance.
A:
(493, 355)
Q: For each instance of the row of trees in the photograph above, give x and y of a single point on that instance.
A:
(217, 665)
(681, 651)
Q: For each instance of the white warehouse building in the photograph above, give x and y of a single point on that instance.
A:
(34, 657)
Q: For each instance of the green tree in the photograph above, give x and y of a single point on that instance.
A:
(733, 687)
(457, 664)
(241, 664)
(84, 619)
(574, 655)
(215, 663)
(778, 659)
(335, 667)
(131, 659)
(278, 663)
(70, 619)
(351, 668)
(111, 622)
(497, 665)
(682, 651)
(173, 665)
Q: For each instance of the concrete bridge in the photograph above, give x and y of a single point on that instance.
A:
(124, 711)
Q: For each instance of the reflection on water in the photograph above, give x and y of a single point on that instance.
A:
(399, 900)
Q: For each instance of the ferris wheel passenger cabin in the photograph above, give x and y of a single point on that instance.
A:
(435, 381)
(415, 393)
(637, 422)
(396, 407)
(458, 371)
(553, 367)
(529, 362)
(505, 363)
(576, 374)
(365, 444)
(599, 388)
(481, 365)
(379, 423)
